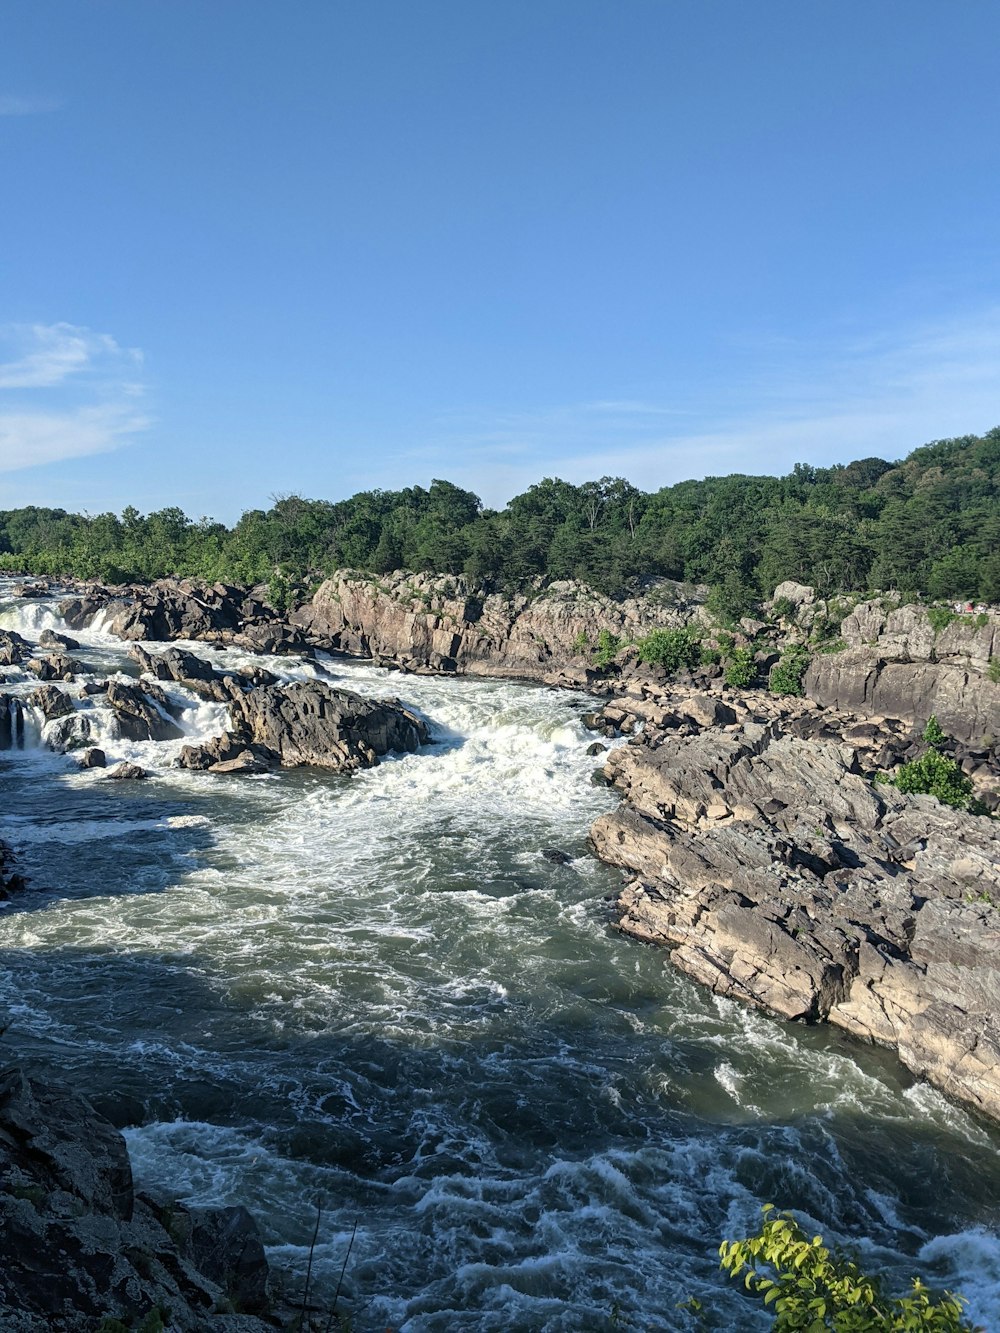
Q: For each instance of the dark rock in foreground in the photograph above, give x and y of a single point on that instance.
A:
(79, 1245)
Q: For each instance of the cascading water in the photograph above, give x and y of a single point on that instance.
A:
(377, 991)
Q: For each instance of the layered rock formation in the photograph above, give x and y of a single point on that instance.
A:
(908, 661)
(779, 874)
(430, 622)
(80, 1246)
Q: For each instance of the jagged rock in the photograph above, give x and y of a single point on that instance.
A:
(799, 594)
(307, 723)
(432, 622)
(50, 639)
(125, 772)
(13, 649)
(93, 758)
(139, 710)
(79, 612)
(557, 857)
(779, 875)
(245, 762)
(51, 702)
(57, 666)
(79, 1246)
(310, 722)
(187, 669)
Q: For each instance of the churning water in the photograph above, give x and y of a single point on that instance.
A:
(376, 991)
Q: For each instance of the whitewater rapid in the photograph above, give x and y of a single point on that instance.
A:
(375, 992)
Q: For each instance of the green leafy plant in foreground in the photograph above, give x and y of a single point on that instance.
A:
(814, 1288)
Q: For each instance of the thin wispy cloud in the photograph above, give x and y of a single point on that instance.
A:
(13, 104)
(65, 392)
(883, 394)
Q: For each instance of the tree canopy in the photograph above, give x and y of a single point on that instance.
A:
(928, 525)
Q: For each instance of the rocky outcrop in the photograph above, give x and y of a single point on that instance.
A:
(141, 712)
(427, 622)
(187, 609)
(779, 874)
(308, 723)
(57, 666)
(13, 649)
(908, 662)
(80, 1245)
(198, 675)
(51, 702)
(964, 700)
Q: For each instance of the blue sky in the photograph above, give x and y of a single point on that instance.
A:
(251, 248)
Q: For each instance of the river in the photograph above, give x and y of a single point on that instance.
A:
(374, 993)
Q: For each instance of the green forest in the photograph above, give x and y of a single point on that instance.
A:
(928, 525)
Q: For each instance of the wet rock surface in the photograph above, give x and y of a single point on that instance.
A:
(80, 1245)
(779, 874)
(142, 712)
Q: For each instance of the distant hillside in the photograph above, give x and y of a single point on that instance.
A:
(927, 525)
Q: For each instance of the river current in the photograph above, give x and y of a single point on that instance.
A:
(375, 994)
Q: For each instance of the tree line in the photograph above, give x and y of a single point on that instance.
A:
(928, 525)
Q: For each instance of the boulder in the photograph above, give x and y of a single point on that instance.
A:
(311, 723)
(93, 758)
(51, 702)
(13, 649)
(50, 639)
(57, 666)
(126, 772)
(140, 712)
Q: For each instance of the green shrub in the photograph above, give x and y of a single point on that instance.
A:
(671, 648)
(993, 670)
(740, 669)
(815, 1288)
(581, 643)
(710, 657)
(786, 675)
(608, 645)
(982, 620)
(934, 774)
(832, 646)
(784, 609)
(940, 617)
(932, 733)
